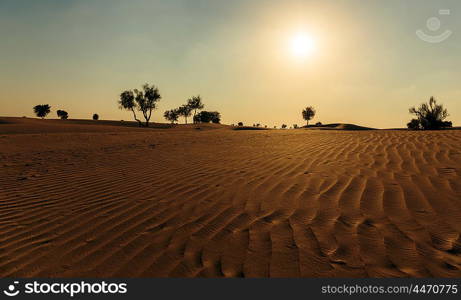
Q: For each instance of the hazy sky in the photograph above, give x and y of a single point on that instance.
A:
(368, 66)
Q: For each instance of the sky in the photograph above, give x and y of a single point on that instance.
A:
(367, 66)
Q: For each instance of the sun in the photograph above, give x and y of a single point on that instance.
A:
(302, 45)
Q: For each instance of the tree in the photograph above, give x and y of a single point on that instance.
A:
(185, 111)
(195, 103)
(144, 101)
(127, 102)
(447, 124)
(240, 124)
(95, 117)
(430, 116)
(414, 124)
(308, 114)
(207, 117)
(62, 114)
(42, 110)
(284, 126)
(171, 115)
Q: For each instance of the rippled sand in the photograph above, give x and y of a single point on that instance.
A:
(111, 201)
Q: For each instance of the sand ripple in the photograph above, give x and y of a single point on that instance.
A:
(222, 203)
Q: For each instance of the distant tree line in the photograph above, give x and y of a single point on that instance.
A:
(42, 110)
(428, 116)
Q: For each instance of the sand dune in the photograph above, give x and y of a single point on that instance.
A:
(339, 126)
(111, 201)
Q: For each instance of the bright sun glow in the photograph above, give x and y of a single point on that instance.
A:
(302, 45)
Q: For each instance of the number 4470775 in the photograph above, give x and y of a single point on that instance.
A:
(435, 289)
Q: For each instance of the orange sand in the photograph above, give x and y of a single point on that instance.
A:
(115, 201)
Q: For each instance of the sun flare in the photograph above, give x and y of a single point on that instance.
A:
(302, 45)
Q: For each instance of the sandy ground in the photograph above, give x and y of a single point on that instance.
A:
(112, 201)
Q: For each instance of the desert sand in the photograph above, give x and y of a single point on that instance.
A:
(91, 199)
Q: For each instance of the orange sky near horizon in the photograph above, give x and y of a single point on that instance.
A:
(367, 65)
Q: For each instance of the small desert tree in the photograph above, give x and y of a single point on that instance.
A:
(308, 114)
(95, 117)
(171, 115)
(144, 101)
(147, 100)
(284, 126)
(414, 124)
(127, 102)
(62, 114)
(42, 110)
(195, 103)
(430, 116)
(185, 111)
(207, 117)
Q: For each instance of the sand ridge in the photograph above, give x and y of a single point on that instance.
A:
(111, 201)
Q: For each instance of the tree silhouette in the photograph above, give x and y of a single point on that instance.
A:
(430, 116)
(95, 117)
(144, 100)
(185, 111)
(195, 103)
(308, 114)
(42, 110)
(207, 117)
(62, 114)
(414, 124)
(284, 126)
(171, 115)
(127, 102)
